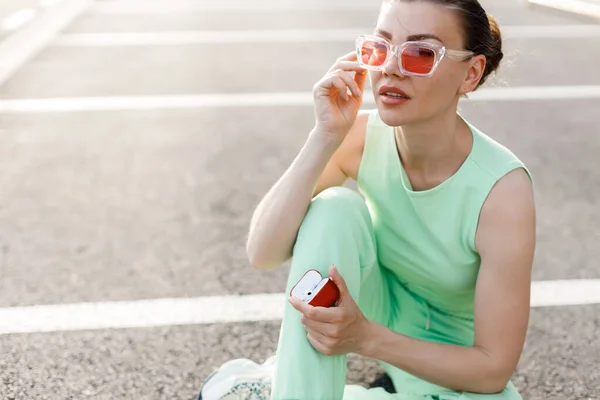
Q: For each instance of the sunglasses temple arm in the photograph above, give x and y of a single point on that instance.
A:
(459, 55)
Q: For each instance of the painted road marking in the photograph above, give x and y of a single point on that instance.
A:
(290, 36)
(221, 309)
(141, 7)
(23, 44)
(585, 7)
(17, 19)
(274, 99)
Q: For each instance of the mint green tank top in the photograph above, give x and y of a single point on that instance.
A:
(426, 239)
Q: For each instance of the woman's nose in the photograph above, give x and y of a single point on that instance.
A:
(392, 66)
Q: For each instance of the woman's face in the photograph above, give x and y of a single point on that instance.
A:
(402, 21)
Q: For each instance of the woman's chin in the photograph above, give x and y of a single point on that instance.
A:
(393, 117)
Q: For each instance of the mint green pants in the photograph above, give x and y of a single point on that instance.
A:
(337, 229)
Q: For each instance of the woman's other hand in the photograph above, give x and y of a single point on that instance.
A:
(335, 330)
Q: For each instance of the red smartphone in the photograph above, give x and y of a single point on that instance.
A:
(315, 290)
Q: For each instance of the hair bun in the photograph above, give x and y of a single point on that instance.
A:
(495, 49)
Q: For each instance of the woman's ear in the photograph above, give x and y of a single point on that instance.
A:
(475, 70)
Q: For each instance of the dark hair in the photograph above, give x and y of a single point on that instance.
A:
(481, 32)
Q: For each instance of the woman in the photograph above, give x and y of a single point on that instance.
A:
(434, 264)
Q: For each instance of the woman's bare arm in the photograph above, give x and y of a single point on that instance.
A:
(506, 242)
(322, 163)
(276, 220)
(278, 216)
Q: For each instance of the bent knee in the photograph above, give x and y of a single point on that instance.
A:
(339, 201)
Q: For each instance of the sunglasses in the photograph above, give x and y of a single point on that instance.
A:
(415, 58)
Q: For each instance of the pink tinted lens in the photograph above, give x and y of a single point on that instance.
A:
(418, 59)
(373, 53)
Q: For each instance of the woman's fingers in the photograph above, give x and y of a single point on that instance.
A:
(343, 59)
(340, 85)
(350, 66)
(347, 66)
(361, 79)
(350, 82)
(342, 81)
(323, 328)
(340, 76)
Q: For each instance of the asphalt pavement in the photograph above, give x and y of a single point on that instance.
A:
(121, 205)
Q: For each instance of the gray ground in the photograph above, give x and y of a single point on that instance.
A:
(134, 205)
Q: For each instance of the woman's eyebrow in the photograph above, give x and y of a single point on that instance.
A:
(383, 33)
(423, 36)
(410, 38)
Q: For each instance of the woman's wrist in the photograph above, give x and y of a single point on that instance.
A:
(372, 336)
(317, 151)
(327, 138)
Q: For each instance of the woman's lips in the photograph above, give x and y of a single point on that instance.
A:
(391, 95)
(392, 100)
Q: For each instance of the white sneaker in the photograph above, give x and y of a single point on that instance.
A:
(240, 379)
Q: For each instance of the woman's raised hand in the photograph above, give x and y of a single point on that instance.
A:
(338, 96)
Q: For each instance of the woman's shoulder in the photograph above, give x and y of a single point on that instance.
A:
(492, 157)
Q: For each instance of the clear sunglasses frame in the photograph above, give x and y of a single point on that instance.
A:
(439, 51)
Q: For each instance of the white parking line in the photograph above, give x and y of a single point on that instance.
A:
(17, 19)
(291, 36)
(276, 99)
(585, 7)
(18, 48)
(220, 309)
(141, 7)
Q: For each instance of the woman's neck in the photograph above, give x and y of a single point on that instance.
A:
(434, 149)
